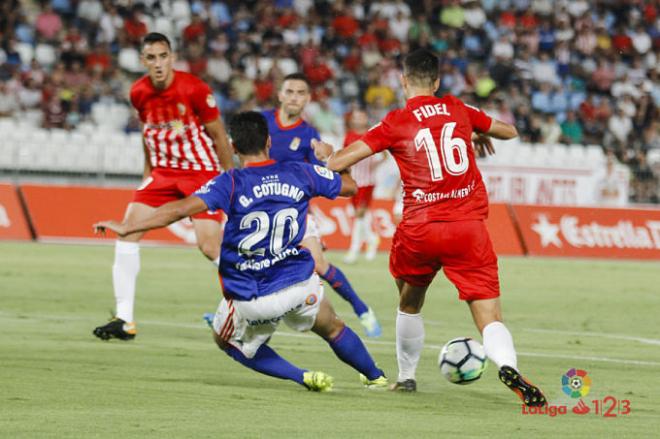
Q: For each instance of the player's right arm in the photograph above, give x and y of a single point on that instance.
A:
(501, 130)
(161, 217)
(216, 194)
(345, 158)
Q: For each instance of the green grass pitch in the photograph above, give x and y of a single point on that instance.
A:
(58, 381)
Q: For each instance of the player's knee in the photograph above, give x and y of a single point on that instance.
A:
(321, 265)
(222, 343)
(209, 249)
(336, 328)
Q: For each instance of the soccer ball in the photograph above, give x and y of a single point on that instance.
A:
(462, 360)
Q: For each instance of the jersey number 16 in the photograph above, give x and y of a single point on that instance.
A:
(453, 149)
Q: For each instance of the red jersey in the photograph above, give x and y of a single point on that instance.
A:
(363, 171)
(430, 140)
(173, 122)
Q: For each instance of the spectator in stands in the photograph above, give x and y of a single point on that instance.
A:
(48, 23)
(619, 127)
(609, 185)
(8, 102)
(608, 49)
(645, 182)
(571, 129)
(551, 131)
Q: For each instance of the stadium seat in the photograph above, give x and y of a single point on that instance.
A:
(45, 55)
(595, 156)
(577, 154)
(165, 26)
(653, 157)
(25, 51)
(129, 60)
(58, 136)
(8, 148)
(180, 10)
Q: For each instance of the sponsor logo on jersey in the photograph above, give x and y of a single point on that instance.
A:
(311, 299)
(423, 197)
(178, 126)
(210, 101)
(206, 188)
(295, 144)
(324, 172)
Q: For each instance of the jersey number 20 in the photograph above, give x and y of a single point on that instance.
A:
(453, 149)
(277, 239)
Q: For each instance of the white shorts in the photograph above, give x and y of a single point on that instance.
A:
(246, 325)
(312, 228)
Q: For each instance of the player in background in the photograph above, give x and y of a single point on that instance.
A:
(445, 205)
(364, 175)
(185, 144)
(266, 275)
(291, 142)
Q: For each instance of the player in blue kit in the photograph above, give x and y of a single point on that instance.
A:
(291, 139)
(266, 275)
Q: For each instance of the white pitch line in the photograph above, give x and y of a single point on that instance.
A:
(370, 342)
(651, 341)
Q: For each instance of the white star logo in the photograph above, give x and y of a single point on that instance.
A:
(547, 231)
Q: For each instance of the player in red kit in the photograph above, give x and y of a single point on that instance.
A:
(445, 205)
(364, 174)
(185, 145)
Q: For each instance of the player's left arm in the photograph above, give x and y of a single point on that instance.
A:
(216, 130)
(161, 217)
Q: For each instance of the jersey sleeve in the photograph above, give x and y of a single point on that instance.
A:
(480, 121)
(311, 158)
(133, 96)
(324, 182)
(204, 104)
(380, 136)
(217, 193)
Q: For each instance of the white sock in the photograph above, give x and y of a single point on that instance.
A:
(124, 275)
(216, 261)
(498, 345)
(356, 235)
(409, 343)
(367, 231)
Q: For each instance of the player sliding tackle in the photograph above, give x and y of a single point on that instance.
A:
(267, 276)
(445, 205)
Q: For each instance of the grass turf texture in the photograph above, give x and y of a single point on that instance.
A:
(58, 380)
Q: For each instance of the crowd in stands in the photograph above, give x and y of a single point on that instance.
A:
(569, 71)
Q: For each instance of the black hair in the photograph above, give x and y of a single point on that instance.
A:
(297, 77)
(249, 132)
(155, 37)
(421, 67)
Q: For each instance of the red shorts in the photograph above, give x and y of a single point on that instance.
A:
(461, 248)
(363, 197)
(165, 185)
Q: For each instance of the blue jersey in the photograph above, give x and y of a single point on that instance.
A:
(292, 143)
(266, 206)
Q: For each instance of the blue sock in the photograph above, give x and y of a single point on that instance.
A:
(349, 348)
(268, 362)
(340, 284)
